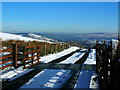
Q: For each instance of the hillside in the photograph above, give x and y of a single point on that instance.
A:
(8, 36)
(40, 37)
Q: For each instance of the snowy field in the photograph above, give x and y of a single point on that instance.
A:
(7, 36)
(39, 37)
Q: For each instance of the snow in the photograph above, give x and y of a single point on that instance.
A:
(8, 36)
(72, 59)
(51, 57)
(114, 46)
(83, 50)
(114, 43)
(94, 81)
(84, 79)
(40, 37)
(20, 73)
(48, 78)
(13, 72)
(91, 57)
(4, 53)
(55, 78)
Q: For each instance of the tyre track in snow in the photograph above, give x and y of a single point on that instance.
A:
(84, 57)
(17, 83)
(77, 58)
(64, 57)
(70, 83)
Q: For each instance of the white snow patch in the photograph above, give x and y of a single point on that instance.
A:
(72, 59)
(13, 72)
(114, 43)
(20, 73)
(94, 82)
(51, 57)
(91, 57)
(40, 37)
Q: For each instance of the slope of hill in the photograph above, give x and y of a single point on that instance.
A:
(39, 37)
(8, 36)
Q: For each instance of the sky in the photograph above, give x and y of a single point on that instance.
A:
(60, 17)
(60, 0)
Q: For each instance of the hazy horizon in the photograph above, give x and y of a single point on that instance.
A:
(63, 32)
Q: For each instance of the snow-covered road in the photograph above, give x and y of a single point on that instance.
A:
(51, 57)
(55, 78)
(48, 78)
(72, 59)
(84, 78)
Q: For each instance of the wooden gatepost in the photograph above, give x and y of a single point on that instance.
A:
(115, 69)
(108, 65)
(102, 64)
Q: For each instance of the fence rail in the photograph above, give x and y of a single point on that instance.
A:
(27, 55)
(30, 56)
(6, 58)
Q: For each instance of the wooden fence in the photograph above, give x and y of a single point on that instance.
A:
(30, 56)
(108, 65)
(27, 57)
(5, 59)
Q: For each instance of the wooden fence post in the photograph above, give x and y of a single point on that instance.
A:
(50, 48)
(24, 56)
(32, 56)
(56, 48)
(14, 55)
(45, 48)
(38, 53)
(111, 68)
(63, 46)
